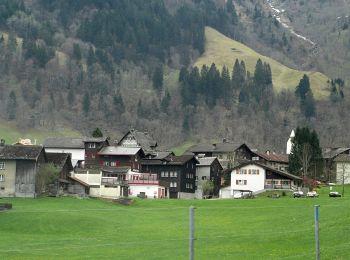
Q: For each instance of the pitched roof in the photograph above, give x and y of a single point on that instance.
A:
(143, 139)
(206, 161)
(273, 157)
(94, 139)
(342, 158)
(64, 142)
(20, 152)
(119, 150)
(170, 160)
(59, 159)
(217, 147)
(330, 153)
(283, 173)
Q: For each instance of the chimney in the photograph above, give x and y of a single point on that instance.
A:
(268, 152)
(214, 146)
(2, 142)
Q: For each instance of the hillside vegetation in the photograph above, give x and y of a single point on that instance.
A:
(222, 50)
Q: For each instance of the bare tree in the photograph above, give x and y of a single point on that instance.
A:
(342, 175)
(305, 158)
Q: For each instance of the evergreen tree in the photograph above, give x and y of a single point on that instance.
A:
(97, 133)
(71, 97)
(91, 59)
(77, 52)
(86, 103)
(226, 87)
(119, 104)
(304, 93)
(157, 79)
(11, 107)
(306, 146)
(165, 102)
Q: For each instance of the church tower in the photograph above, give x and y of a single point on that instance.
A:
(289, 142)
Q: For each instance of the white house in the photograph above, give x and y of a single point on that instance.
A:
(342, 163)
(73, 146)
(255, 177)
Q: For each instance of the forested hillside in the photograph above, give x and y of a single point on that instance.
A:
(118, 64)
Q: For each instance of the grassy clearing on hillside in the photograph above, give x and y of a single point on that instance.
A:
(179, 150)
(11, 133)
(261, 228)
(224, 51)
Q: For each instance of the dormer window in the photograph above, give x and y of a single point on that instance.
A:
(2, 165)
(91, 145)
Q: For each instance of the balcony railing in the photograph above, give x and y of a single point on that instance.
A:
(112, 181)
(278, 186)
(154, 182)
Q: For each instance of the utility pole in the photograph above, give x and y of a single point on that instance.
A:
(317, 238)
(191, 237)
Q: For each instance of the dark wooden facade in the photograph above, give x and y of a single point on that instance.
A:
(173, 169)
(92, 147)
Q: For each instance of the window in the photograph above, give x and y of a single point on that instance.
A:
(243, 171)
(173, 184)
(175, 174)
(241, 182)
(171, 174)
(2, 177)
(196, 178)
(204, 178)
(2, 165)
(166, 174)
(249, 171)
(255, 158)
(113, 164)
(106, 163)
(92, 156)
(162, 174)
(92, 145)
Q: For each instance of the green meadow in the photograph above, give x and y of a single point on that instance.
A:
(260, 228)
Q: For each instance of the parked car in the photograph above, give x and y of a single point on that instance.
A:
(298, 194)
(334, 194)
(312, 194)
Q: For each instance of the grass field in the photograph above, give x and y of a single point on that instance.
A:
(261, 228)
(180, 149)
(224, 51)
(11, 133)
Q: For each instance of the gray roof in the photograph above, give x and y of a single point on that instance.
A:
(217, 147)
(119, 150)
(59, 159)
(170, 160)
(20, 152)
(206, 161)
(64, 142)
(94, 139)
(330, 153)
(342, 158)
(143, 139)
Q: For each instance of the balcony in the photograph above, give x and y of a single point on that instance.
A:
(113, 181)
(278, 186)
(151, 182)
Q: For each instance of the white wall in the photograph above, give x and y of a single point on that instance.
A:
(77, 154)
(185, 195)
(149, 190)
(109, 192)
(343, 168)
(91, 179)
(254, 182)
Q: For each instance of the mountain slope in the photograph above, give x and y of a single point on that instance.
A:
(224, 51)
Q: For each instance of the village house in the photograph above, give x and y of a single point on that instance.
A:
(255, 178)
(63, 163)
(176, 173)
(134, 138)
(73, 146)
(273, 160)
(330, 158)
(342, 166)
(229, 154)
(92, 146)
(19, 165)
(208, 169)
